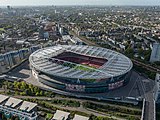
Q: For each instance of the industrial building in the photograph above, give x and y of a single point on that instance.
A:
(24, 110)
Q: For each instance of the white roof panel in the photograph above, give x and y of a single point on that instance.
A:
(61, 115)
(27, 106)
(13, 102)
(3, 98)
(79, 117)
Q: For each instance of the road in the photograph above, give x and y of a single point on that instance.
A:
(145, 88)
(149, 113)
(84, 39)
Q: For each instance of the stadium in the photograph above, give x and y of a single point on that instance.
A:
(80, 68)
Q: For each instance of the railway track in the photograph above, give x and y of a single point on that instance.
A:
(148, 67)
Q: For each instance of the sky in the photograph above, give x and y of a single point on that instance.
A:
(78, 2)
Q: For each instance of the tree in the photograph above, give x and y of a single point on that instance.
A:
(129, 52)
(36, 89)
(27, 92)
(17, 85)
(147, 57)
(140, 51)
(41, 93)
(23, 85)
(37, 93)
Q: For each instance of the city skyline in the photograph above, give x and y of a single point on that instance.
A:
(77, 2)
(79, 59)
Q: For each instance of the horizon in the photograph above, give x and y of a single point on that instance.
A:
(79, 3)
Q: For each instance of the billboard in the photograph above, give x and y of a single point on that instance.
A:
(115, 85)
(78, 88)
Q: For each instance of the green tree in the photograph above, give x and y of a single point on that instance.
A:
(129, 52)
(41, 93)
(140, 51)
(17, 85)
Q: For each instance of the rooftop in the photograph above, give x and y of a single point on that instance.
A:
(61, 115)
(13, 102)
(27, 106)
(3, 98)
(79, 117)
(18, 107)
(116, 65)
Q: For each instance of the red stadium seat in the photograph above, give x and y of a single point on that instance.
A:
(82, 59)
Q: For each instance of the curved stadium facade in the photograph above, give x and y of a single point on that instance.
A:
(78, 68)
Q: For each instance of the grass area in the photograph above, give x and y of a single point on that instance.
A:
(118, 111)
(88, 80)
(79, 67)
(129, 105)
(60, 102)
(83, 68)
(69, 103)
(89, 66)
(49, 116)
(50, 107)
(2, 29)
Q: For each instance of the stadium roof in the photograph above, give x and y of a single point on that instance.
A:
(117, 63)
